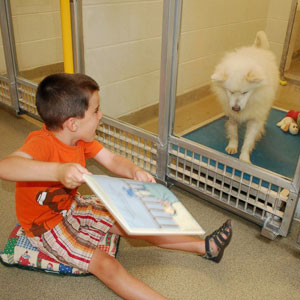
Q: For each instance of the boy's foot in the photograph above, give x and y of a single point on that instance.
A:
(216, 242)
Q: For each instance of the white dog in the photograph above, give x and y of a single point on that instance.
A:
(245, 83)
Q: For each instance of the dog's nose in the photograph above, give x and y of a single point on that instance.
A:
(236, 108)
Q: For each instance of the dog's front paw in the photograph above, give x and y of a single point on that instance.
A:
(231, 149)
(245, 157)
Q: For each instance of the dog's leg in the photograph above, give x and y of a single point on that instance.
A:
(232, 134)
(254, 131)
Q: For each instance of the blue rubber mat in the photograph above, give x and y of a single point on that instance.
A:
(277, 151)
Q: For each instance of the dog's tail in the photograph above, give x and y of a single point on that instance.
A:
(261, 40)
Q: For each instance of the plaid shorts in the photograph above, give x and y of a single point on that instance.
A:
(74, 240)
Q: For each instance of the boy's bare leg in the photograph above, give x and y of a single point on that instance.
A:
(174, 242)
(113, 275)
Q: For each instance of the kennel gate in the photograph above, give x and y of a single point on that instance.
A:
(249, 191)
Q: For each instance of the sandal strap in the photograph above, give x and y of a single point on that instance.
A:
(217, 241)
(226, 230)
(220, 241)
(208, 253)
(207, 245)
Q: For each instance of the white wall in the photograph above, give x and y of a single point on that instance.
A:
(37, 29)
(296, 30)
(122, 41)
(122, 45)
(209, 29)
(277, 22)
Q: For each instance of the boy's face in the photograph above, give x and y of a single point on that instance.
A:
(90, 122)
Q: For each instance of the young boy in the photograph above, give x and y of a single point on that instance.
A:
(49, 168)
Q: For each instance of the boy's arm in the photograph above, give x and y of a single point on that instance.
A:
(121, 166)
(20, 166)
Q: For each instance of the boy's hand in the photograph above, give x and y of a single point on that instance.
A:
(142, 175)
(70, 174)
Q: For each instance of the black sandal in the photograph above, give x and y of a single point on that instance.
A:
(220, 241)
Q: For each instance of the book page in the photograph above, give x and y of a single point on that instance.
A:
(142, 207)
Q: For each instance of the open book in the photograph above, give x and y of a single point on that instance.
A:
(143, 208)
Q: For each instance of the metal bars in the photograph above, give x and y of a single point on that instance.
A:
(138, 146)
(5, 92)
(9, 53)
(261, 197)
(26, 92)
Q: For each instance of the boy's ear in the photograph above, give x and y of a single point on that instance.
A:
(71, 124)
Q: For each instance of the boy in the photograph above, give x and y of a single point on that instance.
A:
(49, 168)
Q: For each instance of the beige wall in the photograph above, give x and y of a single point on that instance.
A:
(122, 42)
(37, 29)
(122, 45)
(278, 17)
(209, 29)
(296, 30)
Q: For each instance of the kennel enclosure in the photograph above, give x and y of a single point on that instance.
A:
(254, 193)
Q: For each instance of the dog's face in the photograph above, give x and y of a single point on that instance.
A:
(237, 85)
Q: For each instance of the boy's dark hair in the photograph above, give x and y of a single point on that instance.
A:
(62, 96)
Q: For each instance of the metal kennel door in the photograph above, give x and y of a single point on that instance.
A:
(263, 197)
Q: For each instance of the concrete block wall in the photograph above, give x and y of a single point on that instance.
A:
(209, 29)
(122, 41)
(277, 22)
(122, 46)
(37, 29)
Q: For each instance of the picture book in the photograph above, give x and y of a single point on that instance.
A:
(143, 208)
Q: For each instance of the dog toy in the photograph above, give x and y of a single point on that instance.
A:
(283, 82)
(291, 122)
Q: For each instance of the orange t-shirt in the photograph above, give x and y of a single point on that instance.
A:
(40, 206)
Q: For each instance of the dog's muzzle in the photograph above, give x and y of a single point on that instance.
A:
(236, 108)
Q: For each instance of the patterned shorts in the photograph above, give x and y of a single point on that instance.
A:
(73, 241)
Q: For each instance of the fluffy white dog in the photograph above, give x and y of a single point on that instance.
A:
(245, 82)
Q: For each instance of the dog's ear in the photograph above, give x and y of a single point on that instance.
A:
(219, 77)
(253, 77)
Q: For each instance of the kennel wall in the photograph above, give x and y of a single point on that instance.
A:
(253, 193)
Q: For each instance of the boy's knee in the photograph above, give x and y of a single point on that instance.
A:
(103, 265)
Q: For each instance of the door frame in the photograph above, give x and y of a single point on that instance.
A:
(288, 37)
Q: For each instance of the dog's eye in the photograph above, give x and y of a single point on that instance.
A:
(244, 93)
